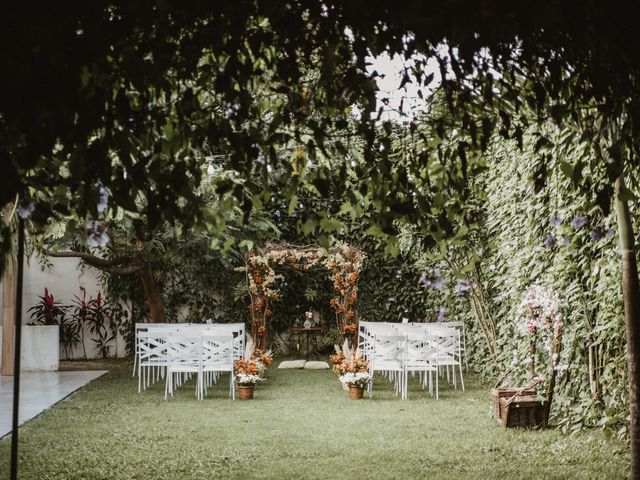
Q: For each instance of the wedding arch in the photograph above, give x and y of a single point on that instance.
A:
(343, 262)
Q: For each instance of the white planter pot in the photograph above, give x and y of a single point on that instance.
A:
(40, 348)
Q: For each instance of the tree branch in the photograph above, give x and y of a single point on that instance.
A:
(108, 265)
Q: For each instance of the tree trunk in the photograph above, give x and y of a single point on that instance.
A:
(154, 296)
(631, 294)
(8, 314)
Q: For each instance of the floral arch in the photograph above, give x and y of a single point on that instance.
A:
(343, 261)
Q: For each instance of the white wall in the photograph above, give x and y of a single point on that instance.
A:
(63, 279)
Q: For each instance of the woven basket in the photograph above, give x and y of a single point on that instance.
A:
(527, 411)
(498, 393)
(245, 392)
(355, 392)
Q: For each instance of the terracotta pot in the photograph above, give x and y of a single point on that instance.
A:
(356, 392)
(245, 392)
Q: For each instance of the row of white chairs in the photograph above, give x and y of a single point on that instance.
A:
(177, 351)
(397, 349)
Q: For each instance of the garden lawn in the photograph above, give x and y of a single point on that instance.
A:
(300, 425)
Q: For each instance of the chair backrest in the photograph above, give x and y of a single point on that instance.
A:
(448, 339)
(235, 330)
(421, 348)
(439, 329)
(409, 328)
(152, 347)
(184, 349)
(387, 349)
(452, 324)
(217, 349)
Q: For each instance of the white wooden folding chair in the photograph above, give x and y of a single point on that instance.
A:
(422, 352)
(388, 355)
(218, 355)
(184, 352)
(459, 325)
(151, 356)
(449, 351)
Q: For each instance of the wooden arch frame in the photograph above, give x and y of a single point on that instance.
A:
(343, 262)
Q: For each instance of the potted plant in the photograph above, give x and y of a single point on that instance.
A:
(352, 370)
(246, 377)
(356, 383)
(40, 350)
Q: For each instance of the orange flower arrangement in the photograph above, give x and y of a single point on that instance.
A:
(247, 367)
(344, 262)
(337, 360)
(354, 364)
(349, 329)
(263, 357)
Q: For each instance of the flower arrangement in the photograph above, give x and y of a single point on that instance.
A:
(348, 362)
(540, 320)
(359, 379)
(539, 312)
(308, 319)
(246, 372)
(344, 262)
(337, 359)
(263, 360)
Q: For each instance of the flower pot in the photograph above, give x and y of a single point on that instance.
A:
(345, 386)
(356, 392)
(245, 392)
(40, 350)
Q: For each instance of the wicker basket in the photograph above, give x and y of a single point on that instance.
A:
(498, 393)
(245, 392)
(527, 411)
(356, 392)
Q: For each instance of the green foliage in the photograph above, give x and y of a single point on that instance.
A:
(522, 245)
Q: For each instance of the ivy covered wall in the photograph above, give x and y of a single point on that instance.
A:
(544, 232)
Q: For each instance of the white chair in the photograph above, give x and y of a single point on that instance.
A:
(422, 352)
(218, 355)
(387, 355)
(367, 333)
(151, 357)
(184, 353)
(449, 350)
(459, 325)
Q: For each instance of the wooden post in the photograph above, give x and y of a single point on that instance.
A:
(631, 295)
(8, 314)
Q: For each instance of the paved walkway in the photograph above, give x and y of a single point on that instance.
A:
(39, 391)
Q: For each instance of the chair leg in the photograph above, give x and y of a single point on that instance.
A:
(461, 378)
(135, 361)
(455, 382)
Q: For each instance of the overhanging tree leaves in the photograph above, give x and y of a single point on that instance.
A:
(111, 88)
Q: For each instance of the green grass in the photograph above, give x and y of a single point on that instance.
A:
(300, 425)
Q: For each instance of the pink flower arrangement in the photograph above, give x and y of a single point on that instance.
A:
(539, 310)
